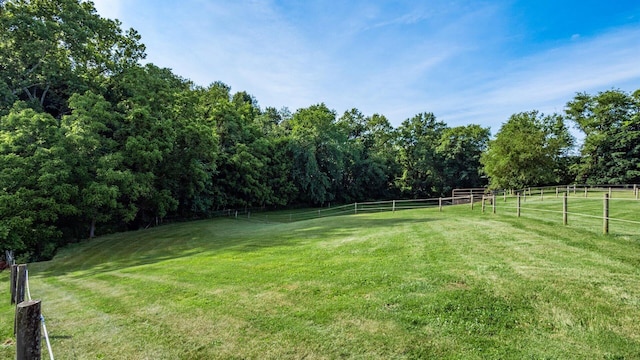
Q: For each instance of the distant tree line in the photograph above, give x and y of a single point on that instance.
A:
(91, 141)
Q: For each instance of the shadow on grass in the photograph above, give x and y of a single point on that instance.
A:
(166, 243)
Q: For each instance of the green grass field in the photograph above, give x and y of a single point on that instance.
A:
(457, 284)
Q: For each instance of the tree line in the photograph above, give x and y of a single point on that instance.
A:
(93, 141)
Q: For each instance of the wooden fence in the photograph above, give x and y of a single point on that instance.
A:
(580, 205)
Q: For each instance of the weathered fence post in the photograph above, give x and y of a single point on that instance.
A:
(574, 189)
(609, 191)
(493, 203)
(541, 194)
(13, 282)
(557, 192)
(393, 209)
(505, 195)
(605, 215)
(518, 205)
(440, 204)
(564, 209)
(236, 214)
(483, 203)
(21, 280)
(471, 199)
(355, 208)
(585, 191)
(28, 332)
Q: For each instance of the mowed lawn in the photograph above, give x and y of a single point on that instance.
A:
(413, 284)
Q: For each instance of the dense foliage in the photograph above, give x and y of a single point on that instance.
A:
(610, 122)
(528, 149)
(92, 140)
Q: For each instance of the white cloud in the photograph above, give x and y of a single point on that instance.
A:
(547, 81)
(453, 61)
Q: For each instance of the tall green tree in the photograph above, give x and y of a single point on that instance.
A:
(528, 150)
(317, 152)
(422, 165)
(367, 155)
(610, 122)
(36, 188)
(189, 169)
(98, 167)
(50, 49)
(240, 180)
(461, 148)
(144, 97)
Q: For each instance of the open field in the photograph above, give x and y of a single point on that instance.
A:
(409, 284)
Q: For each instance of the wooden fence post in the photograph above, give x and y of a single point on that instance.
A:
(493, 204)
(541, 194)
(440, 204)
(564, 209)
(483, 203)
(471, 199)
(574, 189)
(13, 282)
(518, 205)
(21, 280)
(557, 192)
(609, 192)
(585, 191)
(355, 208)
(505, 195)
(393, 209)
(605, 215)
(28, 333)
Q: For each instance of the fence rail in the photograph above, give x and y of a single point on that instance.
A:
(577, 205)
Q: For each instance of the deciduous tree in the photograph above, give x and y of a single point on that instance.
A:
(528, 150)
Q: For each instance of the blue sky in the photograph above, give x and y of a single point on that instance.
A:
(468, 62)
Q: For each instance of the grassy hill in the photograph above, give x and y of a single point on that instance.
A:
(455, 284)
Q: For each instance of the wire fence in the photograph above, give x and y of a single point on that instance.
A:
(613, 212)
(350, 209)
(44, 326)
(584, 206)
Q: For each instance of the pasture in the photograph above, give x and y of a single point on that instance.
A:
(456, 284)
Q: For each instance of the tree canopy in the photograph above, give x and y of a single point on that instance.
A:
(610, 122)
(528, 150)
